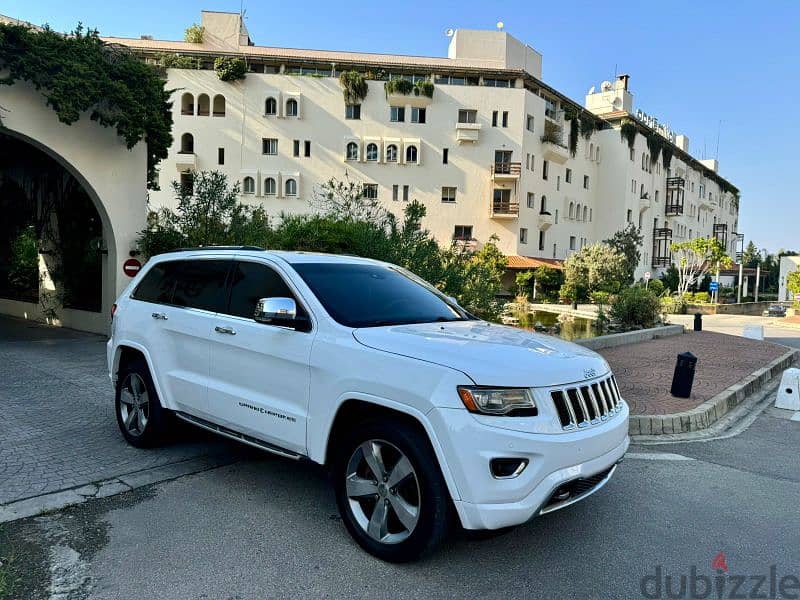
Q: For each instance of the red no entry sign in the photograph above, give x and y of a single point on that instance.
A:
(131, 267)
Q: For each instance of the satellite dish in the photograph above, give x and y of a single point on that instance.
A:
(606, 86)
(500, 25)
(617, 104)
(591, 90)
(449, 32)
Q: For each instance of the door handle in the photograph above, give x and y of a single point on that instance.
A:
(160, 316)
(228, 330)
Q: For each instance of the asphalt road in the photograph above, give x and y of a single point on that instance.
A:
(734, 324)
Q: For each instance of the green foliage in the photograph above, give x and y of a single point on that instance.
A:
(194, 34)
(666, 155)
(636, 307)
(398, 86)
(230, 68)
(600, 298)
(671, 278)
(552, 133)
(751, 257)
(24, 268)
(524, 283)
(793, 282)
(694, 258)
(588, 124)
(656, 286)
(597, 267)
(547, 280)
(628, 241)
(628, 131)
(178, 61)
(654, 145)
(702, 297)
(573, 137)
(79, 73)
(424, 87)
(673, 305)
(354, 86)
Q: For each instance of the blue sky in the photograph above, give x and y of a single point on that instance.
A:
(693, 64)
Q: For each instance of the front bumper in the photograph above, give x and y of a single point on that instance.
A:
(485, 502)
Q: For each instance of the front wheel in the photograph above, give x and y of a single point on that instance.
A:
(140, 416)
(390, 491)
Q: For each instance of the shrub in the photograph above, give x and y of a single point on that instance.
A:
(673, 305)
(702, 297)
(656, 286)
(354, 86)
(230, 68)
(425, 87)
(600, 298)
(398, 86)
(688, 297)
(635, 307)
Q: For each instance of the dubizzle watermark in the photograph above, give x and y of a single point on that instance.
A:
(719, 586)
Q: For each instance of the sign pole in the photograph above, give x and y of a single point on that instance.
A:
(758, 278)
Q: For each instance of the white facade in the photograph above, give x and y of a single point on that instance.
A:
(788, 264)
(579, 200)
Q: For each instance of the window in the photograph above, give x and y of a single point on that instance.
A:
(578, 212)
(187, 144)
(633, 155)
(200, 284)
(541, 240)
(543, 209)
(494, 118)
(629, 218)
(405, 193)
(397, 114)
(395, 192)
(352, 151)
(523, 235)
(467, 116)
(585, 213)
(307, 148)
(656, 195)
(527, 161)
(411, 154)
(597, 154)
(296, 148)
(550, 109)
(568, 175)
(448, 194)
(529, 123)
(219, 105)
(391, 153)
(445, 152)
(269, 145)
(249, 283)
(291, 187)
(533, 159)
(641, 191)
(531, 200)
(590, 215)
(555, 249)
(505, 118)
(220, 156)
(187, 104)
(586, 182)
(203, 105)
(571, 210)
(270, 187)
(644, 159)
(157, 285)
(417, 115)
(556, 218)
(558, 182)
(504, 83)
(370, 191)
(372, 152)
(462, 232)
(545, 169)
(187, 182)
(270, 106)
(572, 242)
(249, 185)
(291, 107)
(352, 111)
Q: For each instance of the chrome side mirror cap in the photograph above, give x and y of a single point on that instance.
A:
(276, 311)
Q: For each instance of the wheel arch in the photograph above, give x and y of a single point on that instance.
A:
(127, 352)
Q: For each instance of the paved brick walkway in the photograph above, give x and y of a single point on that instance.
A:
(57, 423)
(644, 371)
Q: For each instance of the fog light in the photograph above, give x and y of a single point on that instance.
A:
(507, 468)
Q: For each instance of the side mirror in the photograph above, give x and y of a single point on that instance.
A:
(278, 311)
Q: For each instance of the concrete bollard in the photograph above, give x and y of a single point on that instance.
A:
(753, 332)
(789, 390)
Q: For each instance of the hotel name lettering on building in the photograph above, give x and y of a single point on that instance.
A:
(653, 123)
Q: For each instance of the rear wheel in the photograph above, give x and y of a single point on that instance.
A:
(390, 491)
(140, 416)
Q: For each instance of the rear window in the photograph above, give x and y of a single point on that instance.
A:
(187, 283)
(157, 284)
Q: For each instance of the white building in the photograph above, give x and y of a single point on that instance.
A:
(787, 265)
(488, 153)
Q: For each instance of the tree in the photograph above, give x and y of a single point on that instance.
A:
(628, 241)
(346, 199)
(793, 282)
(670, 278)
(595, 268)
(751, 257)
(694, 258)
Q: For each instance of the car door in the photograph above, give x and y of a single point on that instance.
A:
(182, 298)
(259, 381)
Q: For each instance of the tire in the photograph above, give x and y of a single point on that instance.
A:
(140, 416)
(405, 513)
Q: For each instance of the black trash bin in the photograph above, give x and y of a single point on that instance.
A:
(698, 322)
(683, 378)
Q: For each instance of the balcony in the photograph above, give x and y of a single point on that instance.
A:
(555, 152)
(662, 241)
(545, 220)
(644, 202)
(468, 132)
(186, 161)
(504, 209)
(506, 170)
(674, 200)
(721, 233)
(673, 210)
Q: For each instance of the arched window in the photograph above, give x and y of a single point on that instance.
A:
(391, 153)
(411, 154)
(372, 152)
(656, 195)
(571, 210)
(591, 151)
(577, 212)
(644, 159)
(271, 106)
(203, 105)
(291, 107)
(543, 210)
(270, 189)
(641, 190)
(187, 143)
(219, 105)
(291, 187)
(585, 213)
(249, 185)
(352, 151)
(597, 154)
(187, 104)
(590, 215)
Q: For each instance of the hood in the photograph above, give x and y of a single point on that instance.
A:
(489, 354)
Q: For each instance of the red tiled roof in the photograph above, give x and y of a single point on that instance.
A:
(526, 262)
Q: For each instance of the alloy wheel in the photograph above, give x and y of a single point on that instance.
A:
(134, 404)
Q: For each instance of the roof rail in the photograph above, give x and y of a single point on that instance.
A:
(214, 248)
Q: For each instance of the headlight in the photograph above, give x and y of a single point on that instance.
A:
(512, 402)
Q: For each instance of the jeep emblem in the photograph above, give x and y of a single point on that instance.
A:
(589, 373)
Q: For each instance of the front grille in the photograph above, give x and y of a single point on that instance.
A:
(587, 404)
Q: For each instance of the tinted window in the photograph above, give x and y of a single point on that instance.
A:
(249, 283)
(200, 284)
(360, 295)
(157, 284)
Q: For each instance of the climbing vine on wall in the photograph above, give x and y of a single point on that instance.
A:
(354, 87)
(588, 125)
(572, 116)
(628, 131)
(230, 68)
(654, 145)
(79, 74)
(666, 156)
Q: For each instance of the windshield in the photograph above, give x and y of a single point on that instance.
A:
(364, 295)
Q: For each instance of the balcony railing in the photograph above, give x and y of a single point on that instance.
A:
(721, 233)
(506, 170)
(662, 253)
(676, 183)
(505, 208)
(673, 209)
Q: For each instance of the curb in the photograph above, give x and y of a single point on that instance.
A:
(713, 409)
(629, 337)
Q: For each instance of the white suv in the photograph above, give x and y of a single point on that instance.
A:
(419, 410)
